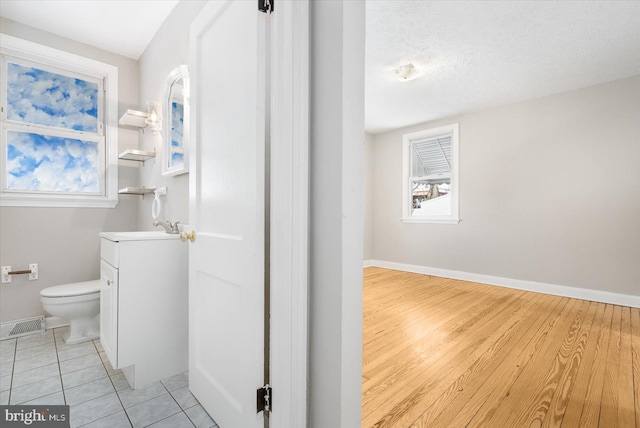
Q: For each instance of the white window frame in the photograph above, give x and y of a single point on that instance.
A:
(33, 54)
(407, 199)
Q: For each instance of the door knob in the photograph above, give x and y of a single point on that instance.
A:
(109, 282)
(191, 236)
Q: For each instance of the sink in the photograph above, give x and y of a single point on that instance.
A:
(138, 236)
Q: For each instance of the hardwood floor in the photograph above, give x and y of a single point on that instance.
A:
(447, 353)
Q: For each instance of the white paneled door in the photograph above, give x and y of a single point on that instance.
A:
(227, 209)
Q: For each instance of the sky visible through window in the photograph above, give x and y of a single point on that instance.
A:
(39, 162)
(44, 98)
(46, 163)
(177, 131)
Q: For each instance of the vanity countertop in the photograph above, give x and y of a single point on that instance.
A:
(138, 236)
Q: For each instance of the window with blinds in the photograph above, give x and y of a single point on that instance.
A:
(430, 175)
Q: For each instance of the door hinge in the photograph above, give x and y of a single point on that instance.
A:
(266, 6)
(265, 399)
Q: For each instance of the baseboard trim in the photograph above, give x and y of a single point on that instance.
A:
(367, 263)
(54, 322)
(537, 287)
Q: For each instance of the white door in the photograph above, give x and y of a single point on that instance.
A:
(227, 206)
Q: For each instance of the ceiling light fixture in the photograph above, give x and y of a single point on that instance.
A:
(407, 72)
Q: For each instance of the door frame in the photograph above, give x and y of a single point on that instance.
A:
(289, 225)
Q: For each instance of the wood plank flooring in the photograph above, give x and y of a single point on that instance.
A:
(445, 353)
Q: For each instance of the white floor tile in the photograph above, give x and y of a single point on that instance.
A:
(79, 363)
(6, 369)
(88, 391)
(76, 351)
(62, 346)
(120, 382)
(117, 420)
(7, 357)
(95, 409)
(5, 383)
(30, 373)
(152, 411)
(54, 399)
(35, 351)
(32, 391)
(69, 380)
(176, 382)
(200, 417)
(130, 397)
(107, 364)
(35, 375)
(32, 363)
(179, 420)
(34, 340)
(79, 377)
(7, 345)
(184, 397)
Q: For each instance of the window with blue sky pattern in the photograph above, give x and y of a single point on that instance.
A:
(177, 134)
(53, 130)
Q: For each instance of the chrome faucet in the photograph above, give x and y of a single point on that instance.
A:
(168, 226)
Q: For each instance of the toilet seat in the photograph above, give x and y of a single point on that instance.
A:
(72, 290)
(79, 303)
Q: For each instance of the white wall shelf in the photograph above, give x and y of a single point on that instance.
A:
(135, 118)
(136, 155)
(140, 191)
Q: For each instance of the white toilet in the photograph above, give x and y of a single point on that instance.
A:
(80, 304)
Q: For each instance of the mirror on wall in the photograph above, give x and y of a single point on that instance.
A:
(176, 123)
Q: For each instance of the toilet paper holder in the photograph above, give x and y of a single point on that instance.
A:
(7, 272)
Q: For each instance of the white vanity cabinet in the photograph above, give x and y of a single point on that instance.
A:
(109, 310)
(143, 304)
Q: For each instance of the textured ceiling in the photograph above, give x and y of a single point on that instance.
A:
(475, 54)
(480, 54)
(122, 26)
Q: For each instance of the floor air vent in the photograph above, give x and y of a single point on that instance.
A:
(11, 329)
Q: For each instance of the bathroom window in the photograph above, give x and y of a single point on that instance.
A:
(430, 176)
(59, 128)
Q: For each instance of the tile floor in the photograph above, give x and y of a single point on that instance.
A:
(42, 369)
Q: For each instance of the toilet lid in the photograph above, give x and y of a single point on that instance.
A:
(75, 289)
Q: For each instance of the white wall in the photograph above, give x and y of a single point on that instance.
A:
(336, 212)
(549, 192)
(168, 49)
(368, 197)
(64, 241)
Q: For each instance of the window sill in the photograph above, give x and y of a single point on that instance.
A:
(430, 220)
(43, 202)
